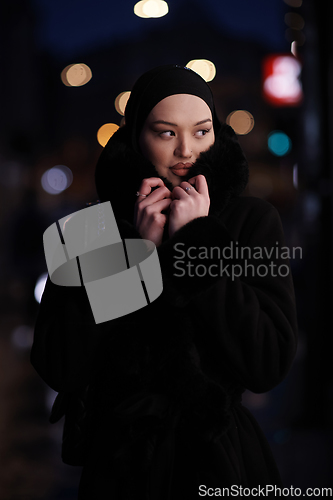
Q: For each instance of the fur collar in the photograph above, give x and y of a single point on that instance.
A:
(120, 170)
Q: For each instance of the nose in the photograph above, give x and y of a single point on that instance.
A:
(183, 148)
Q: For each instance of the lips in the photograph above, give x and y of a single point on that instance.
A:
(181, 169)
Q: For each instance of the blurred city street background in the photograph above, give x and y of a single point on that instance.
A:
(66, 69)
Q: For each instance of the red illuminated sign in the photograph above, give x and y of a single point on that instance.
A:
(281, 80)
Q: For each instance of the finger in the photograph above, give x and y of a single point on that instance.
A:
(157, 208)
(162, 205)
(179, 193)
(144, 209)
(188, 188)
(158, 194)
(148, 183)
(200, 183)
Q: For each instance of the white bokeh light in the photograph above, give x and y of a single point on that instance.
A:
(205, 68)
(39, 287)
(121, 101)
(151, 8)
(57, 179)
(22, 337)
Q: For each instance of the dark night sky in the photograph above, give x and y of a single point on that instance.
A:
(68, 27)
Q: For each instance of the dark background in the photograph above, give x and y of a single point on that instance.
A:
(44, 123)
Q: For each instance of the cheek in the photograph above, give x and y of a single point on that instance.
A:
(149, 146)
(159, 153)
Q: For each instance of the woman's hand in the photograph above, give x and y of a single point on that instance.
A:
(188, 202)
(149, 220)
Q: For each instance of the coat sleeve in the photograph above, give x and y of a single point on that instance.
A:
(65, 336)
(243, 305)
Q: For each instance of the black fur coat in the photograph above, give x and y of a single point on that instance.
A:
(168, 378)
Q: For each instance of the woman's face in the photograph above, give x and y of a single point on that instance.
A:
(175, 132)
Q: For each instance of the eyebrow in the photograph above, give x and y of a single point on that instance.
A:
(163, 122)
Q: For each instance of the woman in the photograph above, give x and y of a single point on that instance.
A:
(167, 420)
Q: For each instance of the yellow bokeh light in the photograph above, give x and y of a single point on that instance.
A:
(105, 132)
(206, 69)
(241, 121)
(151, 8)
(121, 101)
(76, 75)
(63, 76)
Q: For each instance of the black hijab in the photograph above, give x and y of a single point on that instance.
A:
(157, 84)
(121, 166)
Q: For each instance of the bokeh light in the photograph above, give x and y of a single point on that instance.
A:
(63, 75)
(295, 176)
(282, 84)
(294, 21)
(121, 101)
(105, 132)
(279, 143)
(39, 287)
(76, 75)
(22, 337)
(294, 3)
(57, 179)
(206, 69)
(293, 48)
(155, 8)
(138, 10)
(241, 121)
(151, 8)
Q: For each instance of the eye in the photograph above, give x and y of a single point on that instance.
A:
(203, 132)
(167, 133)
